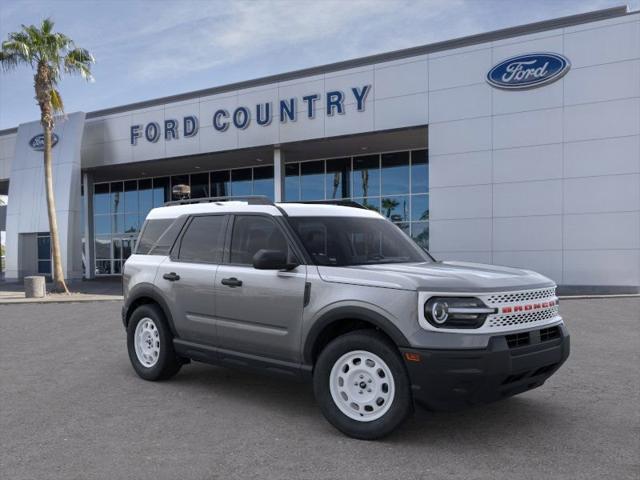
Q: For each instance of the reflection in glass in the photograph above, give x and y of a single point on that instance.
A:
(102, 224)
(241, 182)
(396, 208)
(103, 267)
(404, 227)
(101, 198)
(370, 203)
(44, 247)
(419, 171)
(145, 196)
(117, 223)
(263, 181)
(199, 185)
(127, 247)
(117, 198)
(366, 176)
(103, 247)
(220, 184)
(312, 180)
(395, 173)
(292, 182)
(338, 178)
(117, 247)
(44, 267)
(160, 191)
(179, 180)
(420, 233)
(117, 267)
(131, 203)
(420, 207)
(131, 223)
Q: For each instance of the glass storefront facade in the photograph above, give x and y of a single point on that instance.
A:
(395, 184)
(119, 208)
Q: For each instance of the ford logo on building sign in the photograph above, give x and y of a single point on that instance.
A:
(37, 142)
(528, 71)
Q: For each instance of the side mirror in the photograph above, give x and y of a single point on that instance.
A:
(272, 260)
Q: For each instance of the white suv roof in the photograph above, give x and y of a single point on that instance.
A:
(238, 206)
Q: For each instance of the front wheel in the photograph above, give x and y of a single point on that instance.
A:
(150, 344)
(362, 386)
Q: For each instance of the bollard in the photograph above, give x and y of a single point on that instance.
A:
(34, 287)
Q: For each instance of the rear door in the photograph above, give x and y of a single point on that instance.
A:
(259, 311)
(187, 277)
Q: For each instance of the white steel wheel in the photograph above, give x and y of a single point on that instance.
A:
(146, 341)
(362, 385)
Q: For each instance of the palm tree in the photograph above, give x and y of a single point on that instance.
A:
(50, 54)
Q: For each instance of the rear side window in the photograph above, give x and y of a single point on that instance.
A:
(151, 232)
(203, 240)
(252, 233)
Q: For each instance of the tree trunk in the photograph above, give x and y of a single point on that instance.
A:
(59, 284)
(43, 86)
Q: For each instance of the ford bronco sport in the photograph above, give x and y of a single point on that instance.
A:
(339, 295)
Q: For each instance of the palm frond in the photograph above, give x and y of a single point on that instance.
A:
(47, 26)
(56, 101)
(79, 61)
(9, 61)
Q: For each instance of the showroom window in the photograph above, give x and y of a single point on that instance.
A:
(396, 184)
(120, 208)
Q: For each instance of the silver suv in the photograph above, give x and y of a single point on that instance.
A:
(338, 295)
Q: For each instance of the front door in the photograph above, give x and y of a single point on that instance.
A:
(259, 312)
(187, 278)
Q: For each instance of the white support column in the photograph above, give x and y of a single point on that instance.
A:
(278, 174)
(87, 184)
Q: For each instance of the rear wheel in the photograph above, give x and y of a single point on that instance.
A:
(150, 344)
(362, 385)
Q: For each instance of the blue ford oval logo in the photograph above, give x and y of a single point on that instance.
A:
(528, 71)
(37, 142)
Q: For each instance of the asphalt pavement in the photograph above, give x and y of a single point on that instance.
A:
(71, 407)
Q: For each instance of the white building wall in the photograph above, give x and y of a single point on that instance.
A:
(548, 178)
(7, 152)
(397, 99)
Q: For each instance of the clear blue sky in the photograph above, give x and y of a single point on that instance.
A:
(149, 49)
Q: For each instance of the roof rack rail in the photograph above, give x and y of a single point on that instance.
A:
(250, 199)
(342, 203)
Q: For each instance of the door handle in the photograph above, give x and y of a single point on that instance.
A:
(231, 282)
(172, 277)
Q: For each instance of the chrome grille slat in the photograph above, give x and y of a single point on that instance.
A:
(500, 299)
(527, 318)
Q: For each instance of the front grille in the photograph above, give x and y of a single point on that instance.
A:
(550, 333)
(523, 318)
(518, 340)
(517, 297)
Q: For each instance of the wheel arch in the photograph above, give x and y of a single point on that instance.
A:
(142, 294)
(342, 320)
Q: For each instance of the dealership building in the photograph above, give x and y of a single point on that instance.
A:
(516, 147)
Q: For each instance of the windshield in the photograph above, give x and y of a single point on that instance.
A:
(344, 241)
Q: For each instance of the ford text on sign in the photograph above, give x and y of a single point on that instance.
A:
(528, 71)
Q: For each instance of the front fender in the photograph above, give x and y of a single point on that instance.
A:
(352, 312)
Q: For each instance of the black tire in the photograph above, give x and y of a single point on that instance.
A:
(168, 363)
(402, 401)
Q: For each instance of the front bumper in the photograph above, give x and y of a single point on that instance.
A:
(453, 379)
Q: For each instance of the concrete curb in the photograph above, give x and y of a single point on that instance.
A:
(56, 299)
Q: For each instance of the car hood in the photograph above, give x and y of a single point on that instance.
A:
(437, 276)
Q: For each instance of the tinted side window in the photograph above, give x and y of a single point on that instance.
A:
(203, 240)
(252, 233)
(151, 232)
(167, 239)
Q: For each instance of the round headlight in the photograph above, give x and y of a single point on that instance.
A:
(440, 312)
(456, 312)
